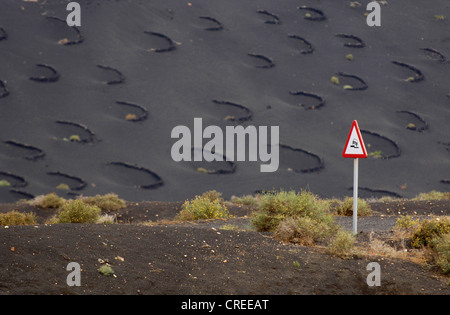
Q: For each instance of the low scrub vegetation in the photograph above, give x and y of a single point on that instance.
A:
(429, 230)
(406, 223)
(210, 205)
(342, 244)
(431, 238)
(302, 230)
(275, 207)
(434, 236)
(81, 210)
(108, 203)
(47, 201)
(433, 195)
(4, 183)
(17, 218)
(345, 207)
(247, 200)
(76, 211)
(296, 217)
(302, 218)
(441, 252)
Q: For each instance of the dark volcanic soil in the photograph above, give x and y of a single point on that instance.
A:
(250, 63)
(198, 258)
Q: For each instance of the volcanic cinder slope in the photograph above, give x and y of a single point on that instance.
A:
(93, 106)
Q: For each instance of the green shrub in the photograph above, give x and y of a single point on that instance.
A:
(210, 205)
(76, 211)
(17, 218)
(273, 208)
(406, 223)
(264, 222)
(4, 183)
(345, 207)
(430, 229)
(63, 186)
(341, 244)
(431, 235)
(106, 270)
(302, 230)
(441, 246)
(75, 138)
(334, 80)
(108, 203)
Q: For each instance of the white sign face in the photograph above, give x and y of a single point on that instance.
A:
(354, 148)
(354, 145)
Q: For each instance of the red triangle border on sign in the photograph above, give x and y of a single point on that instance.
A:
(363, 147)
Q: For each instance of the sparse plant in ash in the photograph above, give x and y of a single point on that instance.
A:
(210, 205)
(345, 207)
(430, 229)
(378, 154)
(203, 170)
(230, 118)
(75, 138)
(441, 255)
(433, 195)
(302, 230)
(106, 270)
(108, 203)
(230, 227)
(433, 237)
(411, 126)
(406, 223)
(245, 200)
(404, 228)
(76, 211)
(4, 183)
(335, 80)
(106, 219)
(17, 218)
(213, 195)
(273, 208)
(342, 244)
(300, 218)
(130, 117)
(63, 186)
(47, 201)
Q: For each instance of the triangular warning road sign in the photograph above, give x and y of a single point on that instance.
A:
(355, 148)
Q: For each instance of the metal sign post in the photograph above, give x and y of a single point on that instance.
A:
(355, 195)
(355, 148)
